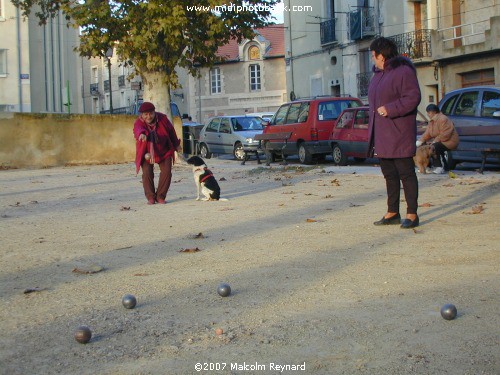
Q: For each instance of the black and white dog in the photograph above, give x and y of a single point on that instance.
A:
(204, 179)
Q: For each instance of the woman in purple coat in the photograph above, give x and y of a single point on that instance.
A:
(394, 96)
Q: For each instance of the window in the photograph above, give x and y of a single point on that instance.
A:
(215, 81)
(345, 121)
(478, 78)
(491, 103)
(293, 113)
(332, 110)
(3, 62)
(254, 77)
(449, 104)
(254, 53)
(467, 104)
(213, 126)
(361, 120)
(279, 117)
(224, 126)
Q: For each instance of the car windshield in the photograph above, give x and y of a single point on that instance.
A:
(246, 123)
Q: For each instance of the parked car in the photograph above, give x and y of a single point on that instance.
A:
(230, 135)
(349, 136)
(475, 111)
(310, 121)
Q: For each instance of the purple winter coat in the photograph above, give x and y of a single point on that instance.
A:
(396, 87)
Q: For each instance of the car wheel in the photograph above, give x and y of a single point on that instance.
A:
(304, 156)
(449, 160)
(204, 153)
(338, 155)
(238, 152)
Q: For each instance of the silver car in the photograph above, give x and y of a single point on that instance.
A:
(230, 135)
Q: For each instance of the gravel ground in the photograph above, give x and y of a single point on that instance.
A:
(316, 287)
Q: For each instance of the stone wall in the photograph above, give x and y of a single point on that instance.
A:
(29, 140)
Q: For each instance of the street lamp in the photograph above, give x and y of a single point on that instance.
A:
(109, 55)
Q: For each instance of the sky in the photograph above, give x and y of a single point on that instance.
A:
(278, 12)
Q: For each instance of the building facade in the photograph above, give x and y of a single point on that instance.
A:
(39, 69)
(452, 43)
(251, 78)
(109, 86)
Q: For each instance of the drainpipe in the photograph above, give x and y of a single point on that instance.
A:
(20, 91)
(291, 46)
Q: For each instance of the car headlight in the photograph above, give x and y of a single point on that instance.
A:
(249, 140)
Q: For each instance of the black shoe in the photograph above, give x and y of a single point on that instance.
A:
(396, 219)
(407, 223)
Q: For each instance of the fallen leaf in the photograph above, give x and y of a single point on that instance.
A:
(426, 204)
(125, 208)
(32, 290)
(141, 274)
(311, 221)
(222, 179)
(477, 209)
(452, 175)
(335, 182)
(88, 270)
(193, 250)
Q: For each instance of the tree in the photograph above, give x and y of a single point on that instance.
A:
(156, 36)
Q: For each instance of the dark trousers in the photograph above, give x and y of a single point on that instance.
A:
(163, 183)
(394, 171)
(438, 157)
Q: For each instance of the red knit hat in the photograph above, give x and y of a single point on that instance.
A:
(146, 107)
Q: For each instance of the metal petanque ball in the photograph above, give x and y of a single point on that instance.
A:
(147, 156)
(449, 311)
(129, 301)
(224, 290)
(83, 334)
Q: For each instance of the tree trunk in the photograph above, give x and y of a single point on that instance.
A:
(157, 92)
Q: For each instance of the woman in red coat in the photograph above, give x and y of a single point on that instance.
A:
(394, 96)
(156, 142)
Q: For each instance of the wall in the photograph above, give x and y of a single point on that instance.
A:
(46, 140)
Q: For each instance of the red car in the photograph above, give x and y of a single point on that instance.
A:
(349, 136)
(310, 121)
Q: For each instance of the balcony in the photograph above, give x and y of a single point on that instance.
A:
(363, 81)
(94, 89)
(327, 32)
(121, 81)
(414, 44)
(361, 23)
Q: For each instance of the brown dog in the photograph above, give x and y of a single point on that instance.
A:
(422, 157)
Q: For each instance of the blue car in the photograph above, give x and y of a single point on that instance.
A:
(475, 111)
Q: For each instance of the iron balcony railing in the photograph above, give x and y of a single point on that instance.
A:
(414, 44)
(327, 32)
(361, 23)
(363, 81)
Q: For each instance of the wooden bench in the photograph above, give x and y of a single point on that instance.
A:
(283, 136)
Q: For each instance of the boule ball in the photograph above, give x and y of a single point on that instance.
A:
(147, 156)
(129, 301)
(83, 334)
(449, 311)
(224, 290)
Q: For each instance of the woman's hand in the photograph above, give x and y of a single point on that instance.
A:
(382, 111)
(142, 137)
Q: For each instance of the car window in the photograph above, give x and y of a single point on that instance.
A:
(279, 117)
(447, 107)
(345, 120)
(304, 112)
(361, 121)
(490, 104)
(246, 123)
(293, 113)
(224, 126)
(332, 110)
(467, 104)
(213, 125)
